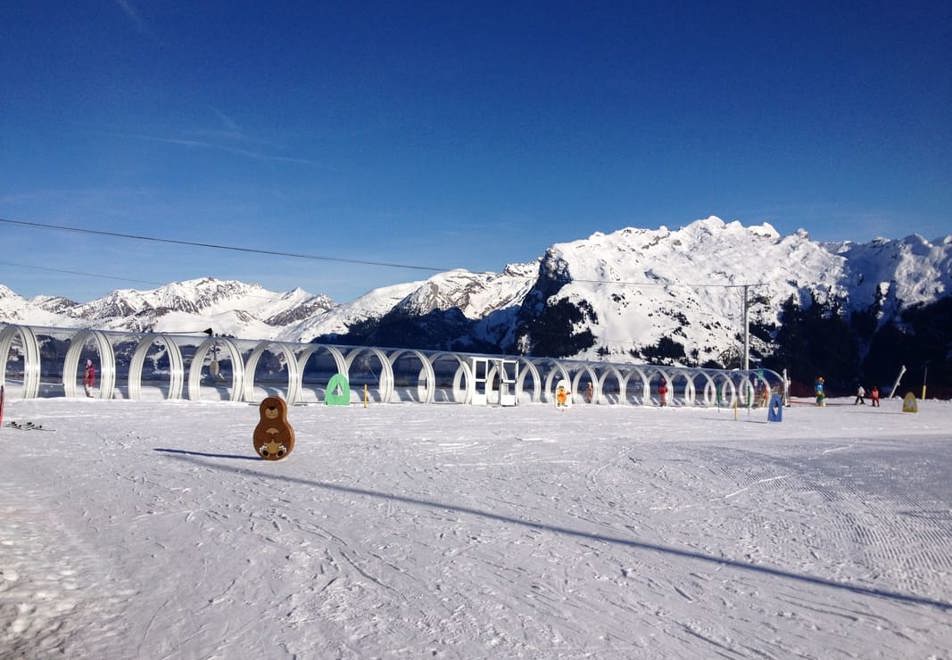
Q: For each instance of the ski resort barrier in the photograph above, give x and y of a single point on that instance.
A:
(49, 362)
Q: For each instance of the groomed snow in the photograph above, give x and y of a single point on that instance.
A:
(150, 530)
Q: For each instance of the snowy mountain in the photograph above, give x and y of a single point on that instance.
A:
(231, 307)
(456, 306)
(625, 291)
(630, 294)
(892, 275)
(338, 320)
(16, 309)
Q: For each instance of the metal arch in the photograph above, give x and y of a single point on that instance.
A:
(645, 384)
(385, 383)
(775, 374)
(458, 392)
(689, 375)
(107, 363)
(31, 357)
(716, 384)
(294, 378)
(536, 395)
(689, 392)
(237, 368)
(752, 379)
(593, 378)
(306, 354)
(425, 369)
(462, 369)
(547, 390)
(333, 351)
(612, 370)
(710, 388)
(728, 383)
(744, 386)
(761, 375)
(176, 366)
(753, 376)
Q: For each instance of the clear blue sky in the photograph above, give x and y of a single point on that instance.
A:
(455, 134)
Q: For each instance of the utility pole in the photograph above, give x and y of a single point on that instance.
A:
(746, 327)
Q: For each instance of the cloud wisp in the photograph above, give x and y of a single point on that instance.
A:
(204, 144)
(133, 14)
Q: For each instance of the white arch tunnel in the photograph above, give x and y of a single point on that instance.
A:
(47, 362)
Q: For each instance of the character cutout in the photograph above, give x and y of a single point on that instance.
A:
(273, 436)
(563, 398)
(909, 404)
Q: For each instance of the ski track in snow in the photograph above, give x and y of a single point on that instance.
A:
(148, 530)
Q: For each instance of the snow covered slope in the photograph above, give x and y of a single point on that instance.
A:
(894, 274)
(152, 530)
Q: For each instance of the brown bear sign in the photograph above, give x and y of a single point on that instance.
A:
(273, 436)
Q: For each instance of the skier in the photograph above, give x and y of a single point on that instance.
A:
(663, 393)
(89, 378)
(818, 389)
(874, 397)
(860, 393)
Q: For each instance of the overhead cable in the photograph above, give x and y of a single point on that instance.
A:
(216, 246)
(315, 257)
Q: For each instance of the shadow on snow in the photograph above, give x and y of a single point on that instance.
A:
(181, 455)
(200, 453)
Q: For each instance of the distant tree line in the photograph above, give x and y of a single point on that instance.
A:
(851, 350)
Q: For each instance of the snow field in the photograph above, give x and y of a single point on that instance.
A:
(150, 530)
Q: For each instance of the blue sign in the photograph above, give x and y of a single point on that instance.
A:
(775, 411)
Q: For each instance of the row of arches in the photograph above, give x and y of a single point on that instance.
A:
(49, 362)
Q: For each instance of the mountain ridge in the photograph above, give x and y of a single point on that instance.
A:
(634, 293)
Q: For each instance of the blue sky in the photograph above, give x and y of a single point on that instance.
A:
(454, 135)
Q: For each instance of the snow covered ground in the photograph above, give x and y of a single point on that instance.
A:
(150, 530)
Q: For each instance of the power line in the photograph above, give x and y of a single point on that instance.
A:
(314, 257)
(79, 272)
(216, 246)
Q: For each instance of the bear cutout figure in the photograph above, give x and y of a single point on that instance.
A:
(273, 436)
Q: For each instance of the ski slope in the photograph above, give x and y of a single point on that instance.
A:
(150, 530)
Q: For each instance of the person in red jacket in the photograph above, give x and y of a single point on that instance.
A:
(89, 378)
(663, 392)
(874, 396)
